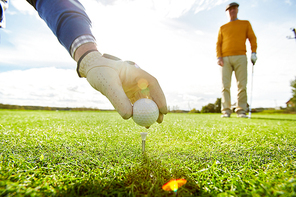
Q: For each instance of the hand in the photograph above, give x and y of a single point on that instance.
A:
(122, 82)
(220, 61)
(253, 58)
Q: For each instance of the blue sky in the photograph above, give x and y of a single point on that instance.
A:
(171, 39)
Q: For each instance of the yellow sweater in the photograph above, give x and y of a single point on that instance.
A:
(232, 38)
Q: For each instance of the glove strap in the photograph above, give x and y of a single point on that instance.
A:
(80, 59)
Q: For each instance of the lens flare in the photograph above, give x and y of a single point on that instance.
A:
(174, 184)
(142, 84)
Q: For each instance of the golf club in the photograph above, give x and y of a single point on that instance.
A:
(250, 108)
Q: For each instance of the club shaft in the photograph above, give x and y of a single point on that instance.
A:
(250, 108)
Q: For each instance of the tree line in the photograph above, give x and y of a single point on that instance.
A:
(209, 108)
(20, 107)
(292, 105)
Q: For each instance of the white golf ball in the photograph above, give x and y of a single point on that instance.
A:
(145, 112)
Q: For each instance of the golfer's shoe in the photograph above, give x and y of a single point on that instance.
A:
(225, 116)
(242, 116)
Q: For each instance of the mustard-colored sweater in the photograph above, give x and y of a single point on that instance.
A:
(232, 38)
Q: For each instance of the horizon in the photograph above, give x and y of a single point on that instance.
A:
(94, 108)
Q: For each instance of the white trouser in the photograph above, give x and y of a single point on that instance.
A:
(238, 64)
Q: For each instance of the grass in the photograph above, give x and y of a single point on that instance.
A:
(45, 153)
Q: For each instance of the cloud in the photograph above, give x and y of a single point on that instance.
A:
(172, 8)
(24, 7)
(288, 2)
(169, 8)
(199, 32)
(177, 8)
(49, 87)
(201, 5)
(28, 42)
(106, 2)
(36, 51)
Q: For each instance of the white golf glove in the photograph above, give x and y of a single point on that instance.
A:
(122, 82)
(253, 58)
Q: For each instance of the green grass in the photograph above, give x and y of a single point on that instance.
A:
(45, 153)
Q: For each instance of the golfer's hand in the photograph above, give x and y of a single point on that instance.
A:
(220, 61)
(122, 82)
(253, 58)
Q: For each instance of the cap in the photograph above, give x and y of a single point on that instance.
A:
(231, 5)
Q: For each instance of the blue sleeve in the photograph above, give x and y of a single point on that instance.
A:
(66, 18)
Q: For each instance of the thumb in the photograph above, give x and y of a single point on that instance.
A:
(107, 81)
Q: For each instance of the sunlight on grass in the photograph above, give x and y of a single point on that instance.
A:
(98, 153)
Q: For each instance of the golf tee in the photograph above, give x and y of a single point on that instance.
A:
(143, 136)
(143, 146)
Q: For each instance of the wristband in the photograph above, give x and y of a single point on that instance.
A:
(80, 59)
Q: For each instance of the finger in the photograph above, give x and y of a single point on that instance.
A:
(148, 94)
(160, 118)
(145, 86)
(222, 62)
(107, 81)
(157, 95)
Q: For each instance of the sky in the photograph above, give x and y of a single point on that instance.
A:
(173, 40)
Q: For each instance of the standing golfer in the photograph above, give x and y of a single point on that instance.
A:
(122, 82)
(231, 54)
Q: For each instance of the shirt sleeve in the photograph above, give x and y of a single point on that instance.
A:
(67, 19)
(80, 41)
(219, 44)
(32, 2)
(252, 38)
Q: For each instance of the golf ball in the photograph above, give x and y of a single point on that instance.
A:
(145, 112)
